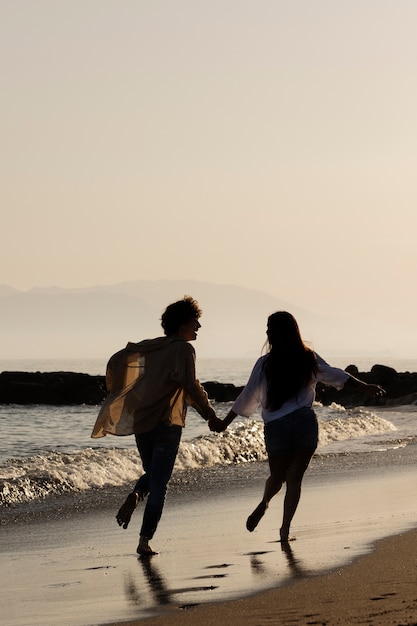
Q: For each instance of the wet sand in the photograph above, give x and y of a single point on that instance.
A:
(378, 589)
(78, 568)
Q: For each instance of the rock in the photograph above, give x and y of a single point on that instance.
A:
(410, 398)
(66, 388)
(56, 388)
(399, 388)
(221, 392)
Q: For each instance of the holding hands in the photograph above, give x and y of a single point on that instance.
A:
(217, 425)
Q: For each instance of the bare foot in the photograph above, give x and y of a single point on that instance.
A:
(144, 549)
(126, 510)
(255, 517)
(285, 537)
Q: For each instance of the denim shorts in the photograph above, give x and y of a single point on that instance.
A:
(296, 431)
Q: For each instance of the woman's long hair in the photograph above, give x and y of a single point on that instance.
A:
(289, 364)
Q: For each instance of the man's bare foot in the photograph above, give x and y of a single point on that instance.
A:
(144, 549)
(126, 510)
(255, 517)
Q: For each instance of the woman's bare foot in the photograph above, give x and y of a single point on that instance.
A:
(255, 517)
(285, 536)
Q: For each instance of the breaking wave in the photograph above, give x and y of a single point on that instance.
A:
(54, 473)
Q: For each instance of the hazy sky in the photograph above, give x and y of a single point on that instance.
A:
(265, 143)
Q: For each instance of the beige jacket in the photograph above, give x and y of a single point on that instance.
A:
(149, 382)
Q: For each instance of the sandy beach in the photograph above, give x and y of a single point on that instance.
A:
(379, 589)
(75, 567)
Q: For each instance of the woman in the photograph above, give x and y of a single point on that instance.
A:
(283, 383)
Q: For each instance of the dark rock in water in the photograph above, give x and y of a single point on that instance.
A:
(66, 388)
(401, 388)
(221, 392)
(56, 388)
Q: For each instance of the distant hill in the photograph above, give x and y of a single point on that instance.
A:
(96, 321)
(7, 291)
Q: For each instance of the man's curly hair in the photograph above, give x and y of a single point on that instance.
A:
(179, 313)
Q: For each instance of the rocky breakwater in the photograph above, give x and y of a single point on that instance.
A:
(400, 387)
(55, 388)
(69, 388)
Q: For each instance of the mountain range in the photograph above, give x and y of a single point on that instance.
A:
(53, 322)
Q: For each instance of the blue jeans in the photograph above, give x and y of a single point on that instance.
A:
(158, 450)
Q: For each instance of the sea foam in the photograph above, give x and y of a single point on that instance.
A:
(54, 473)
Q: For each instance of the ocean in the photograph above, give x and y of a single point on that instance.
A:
(46, 452)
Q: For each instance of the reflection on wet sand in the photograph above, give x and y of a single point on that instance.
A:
(295, 565)
(162, 595)
(259, 567)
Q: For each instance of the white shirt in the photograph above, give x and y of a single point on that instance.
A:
(254, 393)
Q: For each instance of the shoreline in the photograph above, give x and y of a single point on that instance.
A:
(378, 589)
(75, 567)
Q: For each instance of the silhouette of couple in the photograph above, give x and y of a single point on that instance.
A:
(151, 383)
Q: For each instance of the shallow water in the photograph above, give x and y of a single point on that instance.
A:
(47, 452)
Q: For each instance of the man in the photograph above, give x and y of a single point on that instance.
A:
(149, 386)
